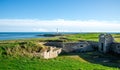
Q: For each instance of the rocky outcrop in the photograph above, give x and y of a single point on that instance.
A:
(52, 52)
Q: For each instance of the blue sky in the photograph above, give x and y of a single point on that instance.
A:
(47, 15)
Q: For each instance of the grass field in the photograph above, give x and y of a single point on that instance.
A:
(73, 61)
(59, 63)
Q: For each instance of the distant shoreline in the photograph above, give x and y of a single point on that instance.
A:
(27, 35)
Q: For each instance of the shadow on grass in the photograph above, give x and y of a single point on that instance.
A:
(96, 57)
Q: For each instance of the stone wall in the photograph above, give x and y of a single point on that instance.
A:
(77, 47)
(81, 46)
(115, 47)
(94, 44)
(56, 44)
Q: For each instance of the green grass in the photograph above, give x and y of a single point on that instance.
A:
(25, 48)
(84, 36)
(116, 37)
(59, 63)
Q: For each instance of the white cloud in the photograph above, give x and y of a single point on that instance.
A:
(41, 30)
(61, 24)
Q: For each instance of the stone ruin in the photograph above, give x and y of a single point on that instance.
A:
(105, 41)
(77, 47)
(106, 44)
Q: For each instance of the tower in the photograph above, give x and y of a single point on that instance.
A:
(105, 40)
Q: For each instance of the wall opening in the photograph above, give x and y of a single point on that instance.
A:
(102, 45)
(81, 45)
(118, 46)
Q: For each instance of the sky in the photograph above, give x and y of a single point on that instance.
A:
(66, 15)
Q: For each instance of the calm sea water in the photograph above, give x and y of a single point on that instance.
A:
(24, 35)
(21, 35)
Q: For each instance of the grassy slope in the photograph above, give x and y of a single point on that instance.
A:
(84, 36)
(60, 63)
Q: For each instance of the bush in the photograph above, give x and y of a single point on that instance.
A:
(21, 49)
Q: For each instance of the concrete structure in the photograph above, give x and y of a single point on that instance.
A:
(105, 41)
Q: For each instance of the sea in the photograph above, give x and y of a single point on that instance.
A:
(24, 35)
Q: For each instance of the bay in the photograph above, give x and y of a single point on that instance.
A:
(24, 35)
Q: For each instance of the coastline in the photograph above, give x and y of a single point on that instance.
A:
(27, 35)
